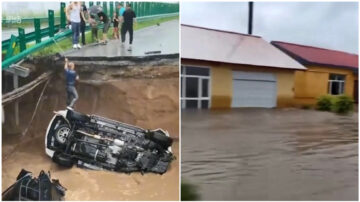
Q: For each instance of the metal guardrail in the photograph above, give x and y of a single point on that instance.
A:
(30, 36)
(144, 10)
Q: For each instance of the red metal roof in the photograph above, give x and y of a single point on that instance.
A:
(200, 43)
(318, 56)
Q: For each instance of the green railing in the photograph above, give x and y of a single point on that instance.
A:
(143, 10)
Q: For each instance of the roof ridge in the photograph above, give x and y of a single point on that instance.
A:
(218, 30)
(308, 46)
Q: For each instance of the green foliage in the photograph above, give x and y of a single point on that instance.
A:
(343, 104)
(324, 103)
(189, 192)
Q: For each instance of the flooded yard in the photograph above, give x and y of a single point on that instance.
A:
(270, 154)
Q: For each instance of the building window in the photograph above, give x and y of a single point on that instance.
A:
(195, 87)
(336, 84)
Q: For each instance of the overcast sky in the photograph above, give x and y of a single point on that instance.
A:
(332, 25)
(28, 9)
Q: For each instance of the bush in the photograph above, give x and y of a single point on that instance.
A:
(343, 104)
(324, 103)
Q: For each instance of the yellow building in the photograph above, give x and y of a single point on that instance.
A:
(223, 69)
(329, 72)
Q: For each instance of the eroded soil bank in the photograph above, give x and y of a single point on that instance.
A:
(275, 154)
(146, 96)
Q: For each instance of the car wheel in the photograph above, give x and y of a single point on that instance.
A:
(61, 133)
(161, 139)
(63, 160)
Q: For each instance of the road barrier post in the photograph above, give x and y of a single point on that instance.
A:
(22, 40)
(37, 30)
(51, 23)
(146, 5)
(111, 9)
(105, 8)
(134, 7)
(141, 12)
(62, 15)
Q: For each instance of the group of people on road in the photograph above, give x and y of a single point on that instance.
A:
(77, 15)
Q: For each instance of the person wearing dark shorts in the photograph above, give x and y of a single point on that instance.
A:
(116, 26)
(129, 18)
(94, 29)
(83, 22)
(104, 18)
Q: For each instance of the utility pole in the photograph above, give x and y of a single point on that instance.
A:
(250, 17)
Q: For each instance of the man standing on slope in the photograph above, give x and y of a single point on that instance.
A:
(71, 77)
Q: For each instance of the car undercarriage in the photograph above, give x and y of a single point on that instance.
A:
(95, 142)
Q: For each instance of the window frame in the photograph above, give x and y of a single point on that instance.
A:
(200, 79)
(341, 88)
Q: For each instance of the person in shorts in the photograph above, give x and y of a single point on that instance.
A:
(94, 28)
(105, 19)
(116, 26)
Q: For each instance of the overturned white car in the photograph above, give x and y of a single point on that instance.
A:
(96, 142)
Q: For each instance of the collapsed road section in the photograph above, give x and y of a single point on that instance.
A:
(141, 93)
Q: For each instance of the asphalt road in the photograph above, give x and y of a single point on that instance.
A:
(164, 38)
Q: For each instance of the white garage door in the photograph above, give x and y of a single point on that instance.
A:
(254, 89)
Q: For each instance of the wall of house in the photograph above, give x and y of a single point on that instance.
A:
(221, 82)
(314, 82)
(221, 86)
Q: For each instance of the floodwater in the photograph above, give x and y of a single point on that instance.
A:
(146, 102)
(270, 154)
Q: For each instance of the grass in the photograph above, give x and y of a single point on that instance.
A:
(66, 43)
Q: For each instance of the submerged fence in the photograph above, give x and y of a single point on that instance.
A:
(143, 10)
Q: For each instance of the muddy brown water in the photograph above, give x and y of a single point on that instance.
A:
(270, 154)
(146, 102)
